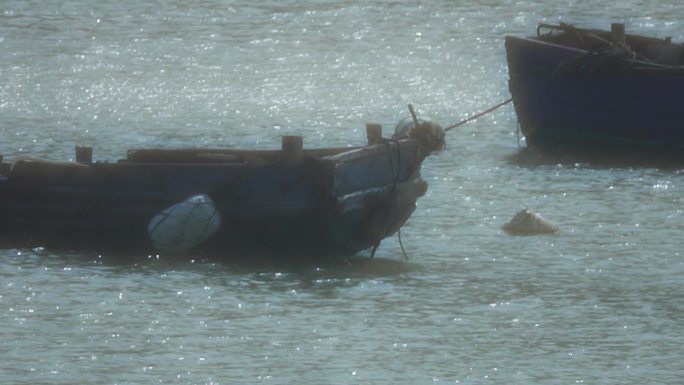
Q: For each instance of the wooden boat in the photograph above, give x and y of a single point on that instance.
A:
(579, 88)
(288, 203)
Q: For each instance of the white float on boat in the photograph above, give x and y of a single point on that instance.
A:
(179, 228)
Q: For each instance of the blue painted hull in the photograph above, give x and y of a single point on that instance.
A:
(329, 203)
(636, 106)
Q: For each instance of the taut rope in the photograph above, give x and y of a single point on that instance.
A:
(485, 112)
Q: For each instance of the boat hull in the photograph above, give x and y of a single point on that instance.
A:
(635, 107)
(315, 207)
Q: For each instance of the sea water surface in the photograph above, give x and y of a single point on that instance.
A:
(601, 302)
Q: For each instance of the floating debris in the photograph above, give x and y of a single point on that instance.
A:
(526, 222)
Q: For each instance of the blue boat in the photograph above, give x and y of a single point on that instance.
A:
(591, 89)
(290, 204)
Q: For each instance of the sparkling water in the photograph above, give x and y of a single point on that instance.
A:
(600, 302)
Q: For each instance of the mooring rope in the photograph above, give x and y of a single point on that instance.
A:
(462, 122)
(401, 244)
(485, 112)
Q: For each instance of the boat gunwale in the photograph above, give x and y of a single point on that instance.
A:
(634, 42)
(643, 67)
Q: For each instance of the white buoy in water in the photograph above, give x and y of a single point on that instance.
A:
(185, 225)
(526, 222)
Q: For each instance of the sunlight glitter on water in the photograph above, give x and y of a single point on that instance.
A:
(598, 302)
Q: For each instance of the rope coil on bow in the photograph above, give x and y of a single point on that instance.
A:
(417, 125)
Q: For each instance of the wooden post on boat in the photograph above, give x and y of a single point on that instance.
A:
(374, 133)
(292, 148)
(84, 154)
(617, 31)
